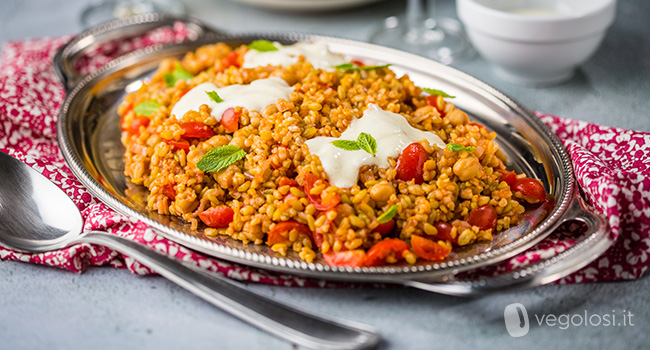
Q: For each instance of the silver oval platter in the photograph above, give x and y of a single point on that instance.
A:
(89, 137)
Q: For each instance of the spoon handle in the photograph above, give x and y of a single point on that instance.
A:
(295, 325)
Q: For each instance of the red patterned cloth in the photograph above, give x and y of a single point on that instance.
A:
(612, 166)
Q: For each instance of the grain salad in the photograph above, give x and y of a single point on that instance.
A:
(300, 149)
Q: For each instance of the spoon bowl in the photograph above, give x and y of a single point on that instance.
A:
(27, 222)
(36, 216)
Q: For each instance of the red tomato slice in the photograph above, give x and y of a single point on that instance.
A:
(485, 217)
(276, 236)
(385, 228)
(378, 253)
(444, 231)
(348, 258)
(176, 145)
(230, 120)
(428, 249)
(316, 200)
(217, 217)
(136, 123)
(410, 163)
(196, 130)
(530, 187)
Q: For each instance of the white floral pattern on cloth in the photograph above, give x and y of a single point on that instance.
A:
(613, 169)
(612, 165)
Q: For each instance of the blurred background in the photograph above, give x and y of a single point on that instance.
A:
(620, 69)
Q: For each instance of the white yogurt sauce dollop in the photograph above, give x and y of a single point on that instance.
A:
(392, 133)
(254, 96)
(317, 53)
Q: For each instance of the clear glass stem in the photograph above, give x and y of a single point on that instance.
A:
(421, 31)
(419, 14)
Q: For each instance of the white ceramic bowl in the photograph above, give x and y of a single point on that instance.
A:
(536, 42)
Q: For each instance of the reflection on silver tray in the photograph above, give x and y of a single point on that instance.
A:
(89, 136)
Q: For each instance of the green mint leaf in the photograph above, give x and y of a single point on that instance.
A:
(345, 66)
(437, 92)
(367, 143)
(346, 145)
(214, 96)
(388, 215)
(169, 79)
(220, 157)
(262, 46)
(457, 147)
(179, 73)
(146, 108)
(350, 66)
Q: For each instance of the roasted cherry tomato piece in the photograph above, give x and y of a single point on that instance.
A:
(529, 187)
(378, 253)
(410, 163)
(318, 239)
(231, 59)
(444, 231)
(230, 120)
(485, 217)
(176, 145)
(432, 100)
(316, 200)
(196, 130)
(169, 191)
(136, 123)
(508, 177)
(217, 217)
(285, 181)
(348, 258)
(428, 249)
(279, 232)
(385, 228)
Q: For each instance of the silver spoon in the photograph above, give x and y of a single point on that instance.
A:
(36, 216)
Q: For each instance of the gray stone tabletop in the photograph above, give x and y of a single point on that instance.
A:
(105, 308)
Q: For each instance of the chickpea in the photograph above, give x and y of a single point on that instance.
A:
(381, 192)
(467, 168)
(195, 154)
(218, 141)
(224, 177)
(457, 117)
(239, 141)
